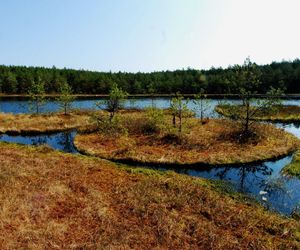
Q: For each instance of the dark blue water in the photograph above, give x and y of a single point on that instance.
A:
(22, 105)
(61, 141)
(263, 181)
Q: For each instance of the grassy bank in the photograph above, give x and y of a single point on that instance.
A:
(51, 200)
(286, 113)
(214, 143)
(43, 123)
(293, 169)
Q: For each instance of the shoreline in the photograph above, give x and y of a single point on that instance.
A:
(210, 96)
(134, 148)
(202, 165)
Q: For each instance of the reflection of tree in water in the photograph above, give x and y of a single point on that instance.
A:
(65, 140)
(247, 175)
(296, 124)
(39, 140)
(275, 188)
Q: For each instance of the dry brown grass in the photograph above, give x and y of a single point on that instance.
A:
(214, 143)
(51, 200)
(43, 123)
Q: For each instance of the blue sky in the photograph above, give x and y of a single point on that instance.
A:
(147, 35)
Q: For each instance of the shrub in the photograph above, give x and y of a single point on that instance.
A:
(155, 121)
(111, 126)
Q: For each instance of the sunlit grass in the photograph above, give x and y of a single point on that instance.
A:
(43, 123)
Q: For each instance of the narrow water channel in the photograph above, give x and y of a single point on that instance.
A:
(262, 181)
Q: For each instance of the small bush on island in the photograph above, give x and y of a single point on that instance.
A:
(65, 98)
(155, 120)
(115, 101)
(111, 126)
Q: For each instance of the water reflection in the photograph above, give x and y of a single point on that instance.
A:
(65, 140)
(264, 182)
(61, 141)
(21, 105)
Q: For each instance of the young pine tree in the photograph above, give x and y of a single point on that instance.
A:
(115, 100)
(65, 98)
(202, 105)
(36, 94)
(178, 109)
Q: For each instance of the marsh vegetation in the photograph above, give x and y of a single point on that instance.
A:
(74, 201)
(217, 142)
(44, 123)
(65, 201)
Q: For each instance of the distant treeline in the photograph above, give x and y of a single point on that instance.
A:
(17, 80)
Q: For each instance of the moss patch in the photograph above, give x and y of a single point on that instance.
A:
(293, 168)
(54, 200)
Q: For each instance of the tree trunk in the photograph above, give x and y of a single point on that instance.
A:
(180, 121)
(112, 114)
(174, 121)
(247, 118)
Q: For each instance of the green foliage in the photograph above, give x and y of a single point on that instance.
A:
(65, 98)
(155, 120)
(36, 93)
(111, 126)
(115, 100)
(202, 104)
(247, 79)
(284, 75)
(9, 83)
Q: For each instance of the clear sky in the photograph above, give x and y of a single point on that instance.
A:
(147, 35)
